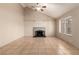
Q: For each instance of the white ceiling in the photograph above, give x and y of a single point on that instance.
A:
(54, 10)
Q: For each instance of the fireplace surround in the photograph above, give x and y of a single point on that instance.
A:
(39, 32)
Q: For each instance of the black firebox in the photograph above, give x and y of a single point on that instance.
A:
(39, 32)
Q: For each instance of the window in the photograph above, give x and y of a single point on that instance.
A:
(65, 25)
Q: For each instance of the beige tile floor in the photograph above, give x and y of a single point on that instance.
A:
(38, 46)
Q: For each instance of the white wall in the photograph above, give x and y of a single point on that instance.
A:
(37, 19)
(11, 23)
(74, 39)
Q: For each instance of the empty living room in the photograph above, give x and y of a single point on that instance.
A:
(39, 28)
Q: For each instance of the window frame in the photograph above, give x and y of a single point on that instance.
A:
(63, 25)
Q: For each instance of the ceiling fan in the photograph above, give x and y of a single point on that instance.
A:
(39, 7)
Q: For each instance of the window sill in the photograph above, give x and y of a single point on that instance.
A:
(67, 34)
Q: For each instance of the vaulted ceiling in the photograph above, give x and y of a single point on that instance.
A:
(54, 10)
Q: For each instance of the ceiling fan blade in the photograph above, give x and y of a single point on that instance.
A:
(42, 10)
(43, 6)
(37, 3)
(32, 6)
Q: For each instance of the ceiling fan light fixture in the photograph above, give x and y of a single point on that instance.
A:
(39, 7)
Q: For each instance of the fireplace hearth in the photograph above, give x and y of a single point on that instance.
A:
(39, 32)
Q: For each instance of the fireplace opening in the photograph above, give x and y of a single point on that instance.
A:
(39, 32)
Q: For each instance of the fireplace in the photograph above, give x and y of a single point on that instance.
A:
(39, 32)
